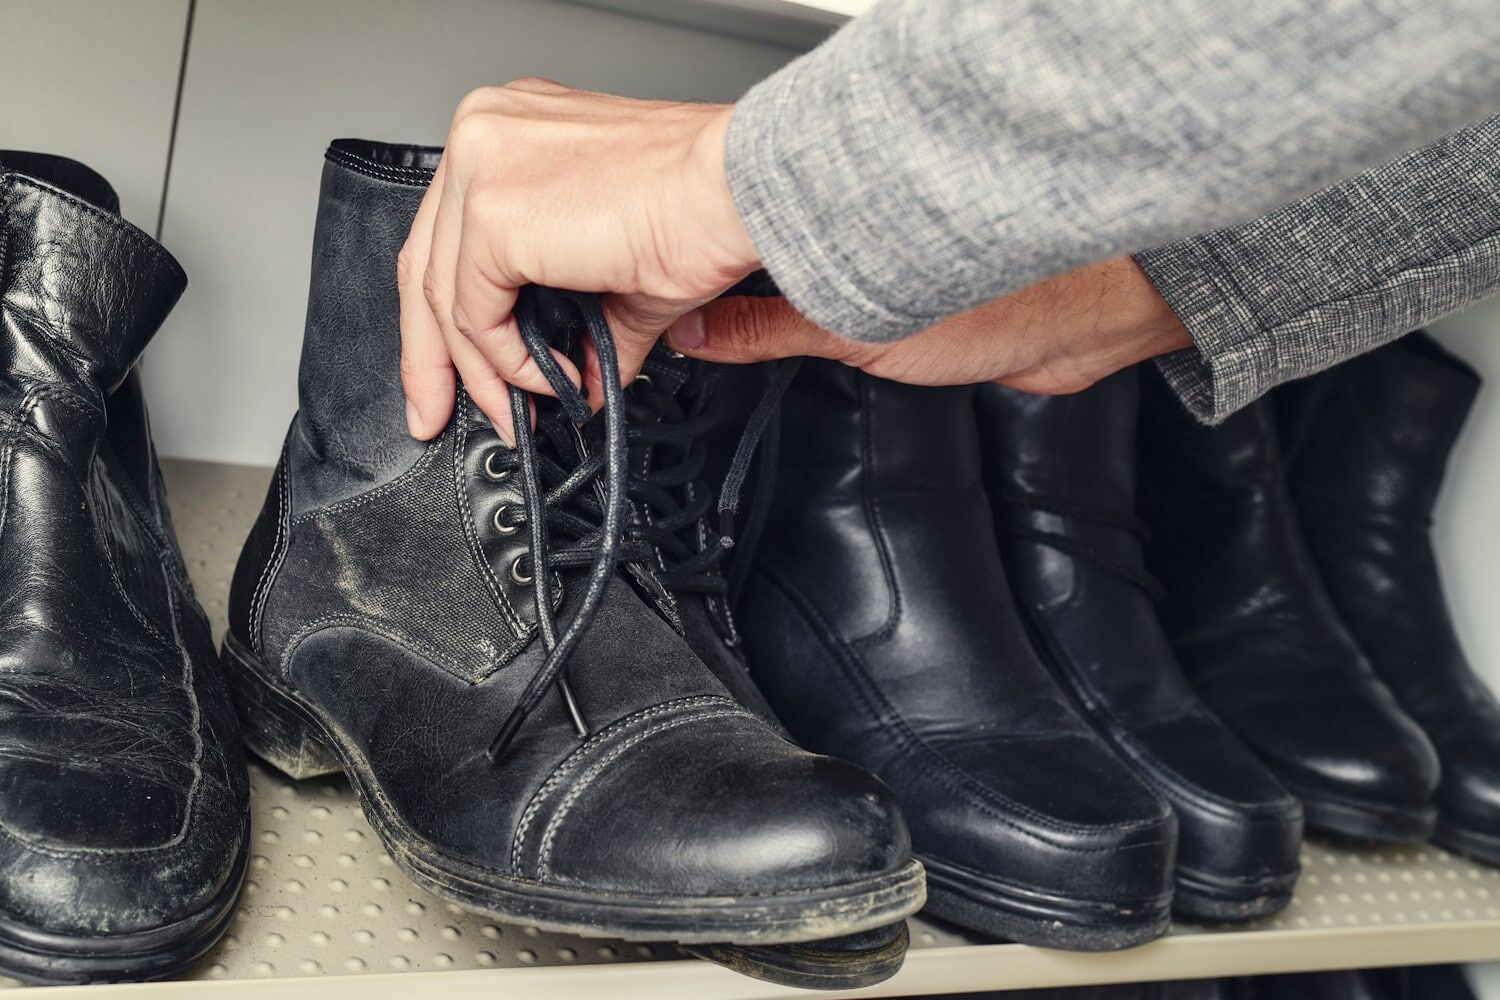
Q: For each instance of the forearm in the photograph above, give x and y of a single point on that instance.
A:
(1341, 272)
(939, 153)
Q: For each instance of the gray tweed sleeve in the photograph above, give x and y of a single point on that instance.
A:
(1343, 271)
(935, 154)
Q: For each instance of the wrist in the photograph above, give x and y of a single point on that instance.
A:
(733, 252)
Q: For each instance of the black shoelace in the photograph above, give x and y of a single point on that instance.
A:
(1078, 548)
(672, 487)
(585, 500)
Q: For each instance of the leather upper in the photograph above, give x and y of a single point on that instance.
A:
(1250, 620)
(1371, 441)
(381, 586)
(123, 796)
(881, 628)
(1060, 475)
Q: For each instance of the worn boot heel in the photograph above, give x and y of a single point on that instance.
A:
(275, 729)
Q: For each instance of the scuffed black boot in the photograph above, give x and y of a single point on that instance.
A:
(445, 622)
(123, 793)
(1369, 442)
(880, 626)
(1060, 474)
(677, 407)
(1256, 632)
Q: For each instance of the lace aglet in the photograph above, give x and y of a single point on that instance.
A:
(507, 733)
(726, 529)
(579, 726)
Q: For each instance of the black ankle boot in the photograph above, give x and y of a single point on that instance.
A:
(125, 803)
(1060, 473)
(546, 749)
(1258, 636)
(880, 626)
(1372, 439)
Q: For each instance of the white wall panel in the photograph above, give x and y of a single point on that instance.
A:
(94, 80)
(269, 83)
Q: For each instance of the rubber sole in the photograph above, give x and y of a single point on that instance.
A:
(845, 963)
(1480, 845)
(970, 900)
(1367, 821)
(49, 958)
(1198, 896)
(290, 735)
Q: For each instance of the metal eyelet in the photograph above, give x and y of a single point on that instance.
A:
(493, 474)
(644, 379)
(521, 579)
(501, 528)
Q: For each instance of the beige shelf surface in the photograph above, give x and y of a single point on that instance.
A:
(325, 913)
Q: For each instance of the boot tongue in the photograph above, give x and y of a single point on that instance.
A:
(75, 273)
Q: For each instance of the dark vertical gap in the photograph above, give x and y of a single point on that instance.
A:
(166, 179)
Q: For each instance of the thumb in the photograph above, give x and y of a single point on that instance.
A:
(744, 329)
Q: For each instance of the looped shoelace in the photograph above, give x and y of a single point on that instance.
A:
(596, 519)
(1076, 547)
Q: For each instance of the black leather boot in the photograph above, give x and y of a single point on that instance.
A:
(1258, 636)
(444, 622)
(1372, 439)
(880, 627)
(1060, 474)
(123, 793)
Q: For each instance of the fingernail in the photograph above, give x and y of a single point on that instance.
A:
(687, 333)
(508, 438)
(413, 420)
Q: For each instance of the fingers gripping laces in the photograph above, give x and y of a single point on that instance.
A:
(600, 545)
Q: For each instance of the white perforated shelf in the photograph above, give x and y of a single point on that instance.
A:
(323, 903)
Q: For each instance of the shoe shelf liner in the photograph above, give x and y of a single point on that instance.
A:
(322, 901)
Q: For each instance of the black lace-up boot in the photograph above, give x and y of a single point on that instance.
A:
(1060, 473)
(677, 406)
(122, 785)
(446, 623)
(1256, 632)
(1368, 444)
(881, 628)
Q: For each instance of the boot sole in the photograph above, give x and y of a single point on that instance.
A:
(290, 734)
(1480, 845)
(814, 966)
(1199, 896)
(1368, 821)
(971, 900)
(47, 958)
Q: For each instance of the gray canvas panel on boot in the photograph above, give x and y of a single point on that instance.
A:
(385, 620)
(124, 805)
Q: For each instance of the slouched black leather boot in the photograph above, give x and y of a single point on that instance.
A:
(123, 794)
(879, 624)
(1060, 474)
(1368, 444)
(444, 622)
(679, 410)
(1256, 633)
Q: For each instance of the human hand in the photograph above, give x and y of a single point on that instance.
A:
(543, 184)
(1060, 335)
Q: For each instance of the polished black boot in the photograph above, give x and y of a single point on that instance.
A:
(1255, 630)
(443, 621)
(1368, 443)
(123, 793)
(1060, 474)
(880, 627)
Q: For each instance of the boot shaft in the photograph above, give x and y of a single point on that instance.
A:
(350, 433)
(1077, 448)
(81, 294)
(1375, 433)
